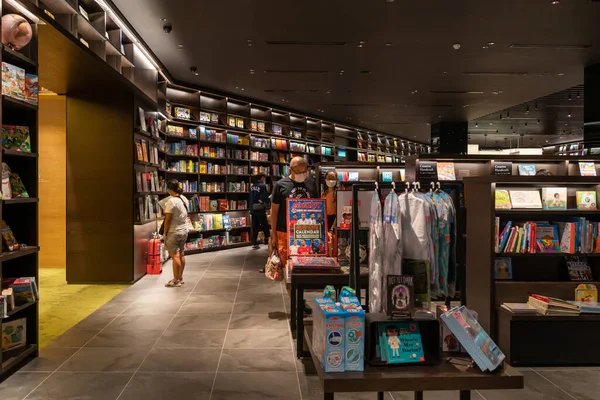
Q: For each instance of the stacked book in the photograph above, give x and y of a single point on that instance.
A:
(519, 308)
(552, 306)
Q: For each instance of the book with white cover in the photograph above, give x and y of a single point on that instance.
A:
(519, 308)
(525, 199)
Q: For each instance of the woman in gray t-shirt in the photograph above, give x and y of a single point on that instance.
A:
(176, 230)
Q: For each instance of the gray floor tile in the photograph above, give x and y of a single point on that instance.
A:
(95, 322)
(536, 388)
(20, 384)
(113, 307)
(125, 338)
(582, 384)
(105, 359)
(249, 274)
(254, 360)
(223, 274)
(166, 308)
(200, 339)
(165, 295)
(190, 360)
(258, 297)
(50, 359)
(213, 285)
(168, 385)
(269, 321)
(199, 297)
(81, 385)
(258, 339)
(256, 386)
(206, 308)
(140, 322)
(444, 395)
(74, 338)
(202, 321)
(253, 307)
(274, 290)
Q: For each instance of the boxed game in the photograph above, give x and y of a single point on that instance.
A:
(354, 341)
(328, 335)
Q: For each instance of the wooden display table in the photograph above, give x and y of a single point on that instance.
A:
(415, 379)
(302, 281)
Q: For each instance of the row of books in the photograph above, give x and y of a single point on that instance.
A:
(280, 170)
(205, 204)
(211, 135)
(207, 117)
(188, 186)
(212, 168)
(16, 138)
(255, 170)
(209, 222)
(552, 198)
(297, 146)
(215, 152)
(237, 139)
(579, 236)
(148, 208)
(257, 156)
(17, 292)
(237, 169)
(148, 123)
(552, 306)
(183, 166)
(212, 187)
(9, 242)
(146, 152)
(366, 157)
(149, 182)
(236, 122)
(18, 84)
(260, 142)
(577, 267)
(238, 154)
(12, 185)
(182, 148)
(238, 187)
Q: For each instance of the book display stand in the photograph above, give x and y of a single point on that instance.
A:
(20, 214)
(524, 338)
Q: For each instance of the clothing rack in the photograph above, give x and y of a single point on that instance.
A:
(355, 226)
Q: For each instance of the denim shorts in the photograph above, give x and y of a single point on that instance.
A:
(175, 242)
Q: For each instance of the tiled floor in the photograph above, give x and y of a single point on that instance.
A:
(222, 336)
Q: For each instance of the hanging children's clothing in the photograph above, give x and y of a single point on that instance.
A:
(376, 280)
(392, 246)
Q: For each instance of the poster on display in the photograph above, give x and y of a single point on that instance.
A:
(307, 227)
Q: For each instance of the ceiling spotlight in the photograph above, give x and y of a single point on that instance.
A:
(476, 125)
(252, 72)
(249, 42)
(491, 124)
(163, 19)
(362, 42)
(389, 1)
(342, 72)
(569, 114)
(456, 46)
(577, 94)
(491, 43)
(561, 74)
(179, 46)
(570, 97)
(554, 2)
(243, 89)
(538, 121)
(194, 70)
(485, 46)
(388, 44)
(507, 114)
(360, 45)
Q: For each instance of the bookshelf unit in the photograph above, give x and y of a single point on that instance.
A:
(540, 273)
(21, 214)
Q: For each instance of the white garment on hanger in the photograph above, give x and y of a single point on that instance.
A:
(392, 248)
(376, 280)
(415, 215)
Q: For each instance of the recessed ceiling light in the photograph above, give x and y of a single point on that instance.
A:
(554, 2)
(491, 43)
(252, 72)
(180, 46)
(485, 46)
(561, 73)
(362, 42)
(388, 44)
(249, 42)
(360, 45)
(163, 19)
(243, 89)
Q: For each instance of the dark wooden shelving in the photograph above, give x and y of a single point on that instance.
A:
(21, 200)
(16, 103)
(20, 308)
(11, 358)
(180, 156)
(212, 158)
(147, 221)
(9, 54)
(15, 153)
(147, 164)
(11, 255)
(60, 7)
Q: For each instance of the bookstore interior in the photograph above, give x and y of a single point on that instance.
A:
(466, 237)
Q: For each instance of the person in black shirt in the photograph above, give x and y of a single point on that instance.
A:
(259, 203)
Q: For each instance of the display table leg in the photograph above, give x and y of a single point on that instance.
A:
(300, 322)
(328, 396)
(293, 308)
(465, 395)
(380, 396)
(418, 395)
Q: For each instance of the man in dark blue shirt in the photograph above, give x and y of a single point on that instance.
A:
(259, 203)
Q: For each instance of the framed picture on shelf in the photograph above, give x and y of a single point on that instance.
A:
(503, 268)
(142, 116)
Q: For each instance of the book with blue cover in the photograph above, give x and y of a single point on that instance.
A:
(526, 169)
(482, 349)
(400, 342)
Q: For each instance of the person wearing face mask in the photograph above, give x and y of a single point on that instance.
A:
(331, 182)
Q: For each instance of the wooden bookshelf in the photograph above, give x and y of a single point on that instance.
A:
(540, 273)
(21, 214)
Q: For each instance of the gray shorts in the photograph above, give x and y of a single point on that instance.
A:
(175, 242)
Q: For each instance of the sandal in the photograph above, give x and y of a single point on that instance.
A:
(173, 283)
(181, 281)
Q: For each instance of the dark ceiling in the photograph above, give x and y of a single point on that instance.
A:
(400, 71)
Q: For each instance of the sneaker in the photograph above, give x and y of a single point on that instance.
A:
(256, 247)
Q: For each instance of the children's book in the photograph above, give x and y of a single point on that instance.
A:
(239, 122)
(174, 130)
(182, 113)
(214, 118)
(567, 241)
(554, 198)
(13, 81)
(503, 268)
(525, 199)
(277, 129)
(587, 307)
(502, 200)
(18, 189)
(526, 169)
(579, 268)
(142, 117)
(586, 200)
(386, 176)
(16, 138)
(445, 171)
(587, 168)
(586, 292)
(204, 117)
(231, 121)
(8, 238)
(14, 334)
(400, 342)
(547, 238)
(400, 296)
(31, 88)
(352, 176)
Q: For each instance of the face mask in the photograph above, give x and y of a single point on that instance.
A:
(300, 177)
(331, 183)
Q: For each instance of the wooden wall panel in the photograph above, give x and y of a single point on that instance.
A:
(52, 181)
(99, 186)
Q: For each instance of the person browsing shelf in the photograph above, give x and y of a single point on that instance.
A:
(176, 230)
(331, 182)
(259, 203)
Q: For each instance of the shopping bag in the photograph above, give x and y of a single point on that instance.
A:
(273, 268)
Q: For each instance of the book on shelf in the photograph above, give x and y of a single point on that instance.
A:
(502, 200)
(586, 200)
(554, 198)
(142, 118)
(527, 199)
(9, 242)
(400, 296)
(16, 138)
(587, 307)
(586, 292)
(579, 268)
(526, 169)
(587, 168)
(17, 186)
(445, 171)
(13, 81)
(144, 150)
(32, 88)
(552, 306)
(503, 268)
(139, 150)
(14, 334)
(520, 308)
(174, 130)
(183, 113)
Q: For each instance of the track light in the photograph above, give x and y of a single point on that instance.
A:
(527, 111)
(538, 121)
(476, 125)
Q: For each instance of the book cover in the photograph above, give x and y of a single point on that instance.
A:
(386, 176)
(503, 268)
(567, 241)
(239, 122)
(174, 130)
(8, 238)
(445, 171)
(586, 200)
(502, 200)
(526, 169)
(314, 262)
(587, 168)
(261, 126)
(352, 176)
(525, 199)
(547, 238)
(554, 198)
(13, 81)
(400, 342)
(31, 88)
(16, 137)
(205, 117)
(400, 296)
(307, 227)
(254, 125)
(183, 113)
(18, 188)
(586, 292)
(144, 151)
(587, 307)
(277, 129)
(142, 117)
(214, 118)
(231, 121)
(14, 334)
(579, 268)
(428, 171)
